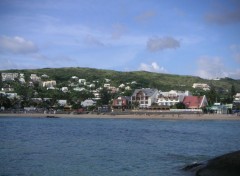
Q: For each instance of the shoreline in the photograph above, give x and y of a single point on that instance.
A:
(129, 116)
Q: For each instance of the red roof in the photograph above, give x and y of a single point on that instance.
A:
(193, 101)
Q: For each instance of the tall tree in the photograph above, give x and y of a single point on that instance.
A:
(212, 95)
(233, 92)
(105, 97)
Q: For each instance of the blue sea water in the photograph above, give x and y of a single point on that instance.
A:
(110, 147)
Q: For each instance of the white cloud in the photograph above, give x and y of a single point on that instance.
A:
(213, 67)
(17, 45)
(153, 67)
(155, 43)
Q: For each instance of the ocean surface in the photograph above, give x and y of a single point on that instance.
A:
(110, 147)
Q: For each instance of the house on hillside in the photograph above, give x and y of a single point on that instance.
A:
(195, 102)
(201, 86)
(144, 97)
(121, 102)
(9, 76)
(35, 78)
(237, 97)
(49, 84)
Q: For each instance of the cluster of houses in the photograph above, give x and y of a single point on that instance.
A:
(144, 98)
(148, 98)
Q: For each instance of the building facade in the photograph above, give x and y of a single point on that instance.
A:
(144, 97)
(171, 98)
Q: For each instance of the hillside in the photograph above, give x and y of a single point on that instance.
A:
(164, 82)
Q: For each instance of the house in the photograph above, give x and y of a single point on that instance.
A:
(62, 102)
(21, 78)
(45, 76)
(107, 86)
(49, 84)
(128, 88)
(121, 86)
(171, 98)
(82, 81)
(91, 85)
(195, 102)
(237, 97)
(88, 102)
(201, 86)
(75, 77)
(35, 78)
(79, 89)
(96, 94)
(64, 89)
(9, 76)
(12, 95)
(121, 102)
(144, 97)
(219, 109)
(107, 80)
(8, 89)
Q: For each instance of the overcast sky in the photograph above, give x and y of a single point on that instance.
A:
(185, 37)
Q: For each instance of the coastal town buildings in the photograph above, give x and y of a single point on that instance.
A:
(142, 98)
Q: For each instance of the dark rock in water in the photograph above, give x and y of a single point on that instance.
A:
(224, 165)
(50, 116)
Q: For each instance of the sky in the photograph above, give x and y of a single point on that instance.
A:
(184, 37)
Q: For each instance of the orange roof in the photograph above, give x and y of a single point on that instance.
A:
(193, 101)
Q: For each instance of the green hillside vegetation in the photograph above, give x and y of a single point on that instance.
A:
(164, 82)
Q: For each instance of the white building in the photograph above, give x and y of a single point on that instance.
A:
(201, 86)
(9, 76)
(107, 86)
(79, 89)
(64, 89)
(74, 77)
(22, 78)
(128, 88)
(82, 81)
(49, 84)
(237, 97)
(62, 102)
(122, 86)
(88, 102)
(91, 85)
(34, 77)
(171, 98)
(107, 80)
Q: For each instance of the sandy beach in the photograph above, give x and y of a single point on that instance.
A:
(131, 116)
